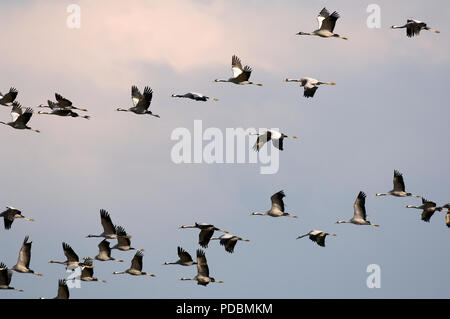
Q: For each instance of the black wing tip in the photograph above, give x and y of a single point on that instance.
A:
(362, 195)
(62, 282)
(148, 90)
(335, 15)
(397, 173)
(104, 212)
(120, 230)
(200, 253)
(2, 265)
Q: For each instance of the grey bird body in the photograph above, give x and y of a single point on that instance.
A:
(317, 236)
(241, 75)
(202, 276)
(277, 208)
(206, 232)
(326, 24)
(399, 187)
(359, 212)
(141, 101)
(413, 27)
(20, 119)
(185, 258)
(23, 262)
(229, 241)
(136, 267)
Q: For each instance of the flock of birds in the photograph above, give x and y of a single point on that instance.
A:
(141, 103)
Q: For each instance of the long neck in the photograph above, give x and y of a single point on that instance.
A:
(260, 214)
(291, 80)
(398, 27)
(119, 272)
(381, 194)
(188, 226)
(121, 110)
(221, 80)
(412, 206)
(305, 33)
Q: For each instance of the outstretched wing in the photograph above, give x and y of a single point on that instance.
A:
(16, 111)
(184, 255)
(359, 206)
(202, 265)
(69, 253)
(309, 90)
(413, 27)
(107, 224)
(25, 253)
(136, 262)
(136, 95)
(236, 66)
(278, 143)
(399, 183)
(63, 290)
(146, 99)
(26, 116)
(9, 97)
(205, 236)
(261, 140)
(322, 15)
(245, 75)
(329, 22)
(63, 102)
(277, 200)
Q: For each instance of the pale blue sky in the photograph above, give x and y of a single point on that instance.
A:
(388, 111)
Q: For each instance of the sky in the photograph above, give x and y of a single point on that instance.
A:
(388, 111)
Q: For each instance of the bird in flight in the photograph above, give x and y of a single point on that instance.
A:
(310, 85)
(317, 236)
(141, 101)
(359, 212)
(276, 137)
(195, 96)
(20, 119)
(326, 24)
(241, 75)
(413, 27)
(8, 98)
(277, 209)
